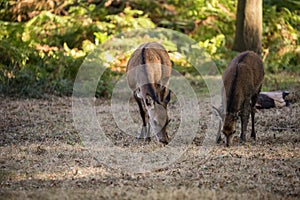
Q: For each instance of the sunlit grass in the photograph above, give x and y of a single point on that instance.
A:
(272, 82)
(281, 81)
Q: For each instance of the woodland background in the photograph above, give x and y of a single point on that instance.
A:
(43, 43)
(42, 155)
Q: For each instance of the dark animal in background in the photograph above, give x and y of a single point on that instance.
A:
(274, 99)
(242, 81)
(148, 72)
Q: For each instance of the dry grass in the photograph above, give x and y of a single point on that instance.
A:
(41, 158)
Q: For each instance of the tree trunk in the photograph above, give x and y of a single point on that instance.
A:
(248, 34)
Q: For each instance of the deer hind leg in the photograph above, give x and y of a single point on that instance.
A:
(244, 120)
(253, 102)
(145, 131)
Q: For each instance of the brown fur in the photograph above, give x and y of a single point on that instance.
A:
(242, 82)
(148, 72)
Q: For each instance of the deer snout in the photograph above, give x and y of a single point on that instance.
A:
(228, 131)
(228, 139)
(162, 137)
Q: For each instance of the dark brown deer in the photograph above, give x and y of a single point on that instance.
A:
(148, 73)
(242, 81)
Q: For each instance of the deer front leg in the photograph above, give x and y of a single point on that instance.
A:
(219, 115)
(145, 130)
(148, 132)
(218, 138)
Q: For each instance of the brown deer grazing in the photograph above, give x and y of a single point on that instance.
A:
(242, 81)
(148, 72)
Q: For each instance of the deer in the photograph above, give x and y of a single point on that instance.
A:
(148, 73)
(242, 82)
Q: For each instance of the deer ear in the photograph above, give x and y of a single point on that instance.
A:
(138, 93)
(149, 102)
(168, 97)
(218, 112)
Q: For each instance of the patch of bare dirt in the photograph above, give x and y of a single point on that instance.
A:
(41, 157)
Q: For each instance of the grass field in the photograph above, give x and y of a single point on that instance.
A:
(42, 157)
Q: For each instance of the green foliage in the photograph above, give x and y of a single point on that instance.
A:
(42, 44)
(281, 40)
(43, 54)
(292, 5)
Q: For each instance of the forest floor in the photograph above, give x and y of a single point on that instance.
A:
(42, 157)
